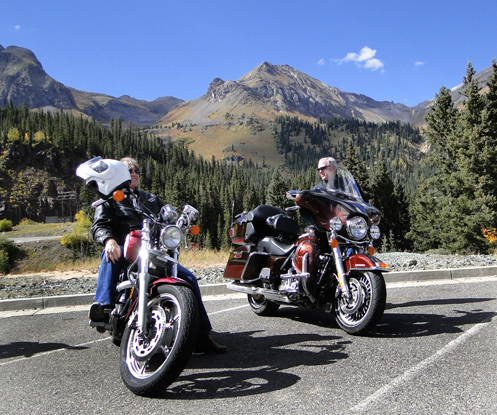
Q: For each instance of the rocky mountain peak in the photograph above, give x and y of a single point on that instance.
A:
(214, 84)
(17, 55)
(23, 80)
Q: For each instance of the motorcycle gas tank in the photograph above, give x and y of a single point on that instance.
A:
(132, 245)
(325, 205)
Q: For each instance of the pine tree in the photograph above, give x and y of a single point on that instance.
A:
(441, 121)
(451, 207)
(358, 170)
(277, 189)
(383, 191)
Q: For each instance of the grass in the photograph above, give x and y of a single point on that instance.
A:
(191, 259)
(38, 262)
(204, 258)
(28, 228)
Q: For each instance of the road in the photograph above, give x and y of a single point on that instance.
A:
(23, 239)
(434, 352)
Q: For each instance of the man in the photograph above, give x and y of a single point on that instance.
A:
(109, 229)
(327, 169)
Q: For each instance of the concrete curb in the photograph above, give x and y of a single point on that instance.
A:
(440, 274)
(36, 303)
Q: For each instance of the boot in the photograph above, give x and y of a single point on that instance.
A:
(206, 344)
(96, 313)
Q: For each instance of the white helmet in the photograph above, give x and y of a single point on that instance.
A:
(106, 175)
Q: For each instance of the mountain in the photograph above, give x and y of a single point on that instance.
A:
(456, 93)
(233, 119)
(23, 80)
(277, 89)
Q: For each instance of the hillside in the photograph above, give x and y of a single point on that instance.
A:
(236, 119)
(24, 81)
(233, 120)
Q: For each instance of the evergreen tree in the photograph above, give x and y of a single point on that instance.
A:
(277, 189)
(358, 170)
(382, 191)
(453, 206)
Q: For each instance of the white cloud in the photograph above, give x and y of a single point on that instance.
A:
(374, 64)
(365, 58)
(17, 27)
(321, 62)
(419, 63)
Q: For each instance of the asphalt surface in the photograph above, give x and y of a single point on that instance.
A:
(432, 353)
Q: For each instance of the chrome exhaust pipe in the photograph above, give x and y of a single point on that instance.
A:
(269, 294)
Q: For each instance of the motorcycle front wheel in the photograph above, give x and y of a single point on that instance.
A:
(151, 363)
(363, 310)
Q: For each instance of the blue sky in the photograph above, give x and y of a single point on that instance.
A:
(401, 51)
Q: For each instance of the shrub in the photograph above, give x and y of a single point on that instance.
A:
(26, 221)
(6, 225)
(4, 263)
(77, 243)
(7, 249)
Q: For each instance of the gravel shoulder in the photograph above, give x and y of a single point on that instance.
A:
(50, 283)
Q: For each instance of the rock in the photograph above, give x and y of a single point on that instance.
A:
(410, 263)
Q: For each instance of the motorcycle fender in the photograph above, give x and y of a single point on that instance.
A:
(361, 262)
(168, 280)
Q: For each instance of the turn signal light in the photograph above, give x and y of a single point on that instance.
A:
(194, 230)
(371, 250)
(118, 196)
(334, 243)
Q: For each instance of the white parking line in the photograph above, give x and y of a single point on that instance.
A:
(228, 309)
(469, 280)
(413, 371)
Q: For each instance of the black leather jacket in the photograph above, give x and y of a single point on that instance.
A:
(116, 219)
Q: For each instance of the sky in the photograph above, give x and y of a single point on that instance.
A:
(394, 50)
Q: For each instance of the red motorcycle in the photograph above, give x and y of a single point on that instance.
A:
(155, 316)
(330, 266)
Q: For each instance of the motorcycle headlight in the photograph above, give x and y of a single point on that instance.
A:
(168, 214)
(336, 223)
(357, 227)
(375, 232)
(171, 237)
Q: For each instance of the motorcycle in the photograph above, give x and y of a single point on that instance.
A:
(154, 320)
(330, 266)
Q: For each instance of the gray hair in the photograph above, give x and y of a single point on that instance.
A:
(330, 161)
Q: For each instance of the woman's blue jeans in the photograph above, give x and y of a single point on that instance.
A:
(108, 277)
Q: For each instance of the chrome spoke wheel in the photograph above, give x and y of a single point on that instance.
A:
(142, 357)
(360, 312)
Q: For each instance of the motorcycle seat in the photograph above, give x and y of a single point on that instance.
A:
(275, 246)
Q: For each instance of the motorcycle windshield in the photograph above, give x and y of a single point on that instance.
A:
(343, 183)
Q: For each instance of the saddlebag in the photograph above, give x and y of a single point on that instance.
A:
(267, 220)
(244, 265)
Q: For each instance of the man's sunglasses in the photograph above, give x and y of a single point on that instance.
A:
(322, 168)
(135, 170)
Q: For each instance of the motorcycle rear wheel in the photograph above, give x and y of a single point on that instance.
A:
(150, 365)
(262, 306)
(364, 310)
